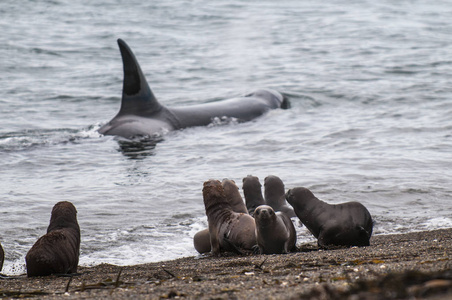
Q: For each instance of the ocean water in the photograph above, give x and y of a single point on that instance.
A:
(370, 85)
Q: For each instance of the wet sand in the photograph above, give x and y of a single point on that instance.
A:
(404, 266)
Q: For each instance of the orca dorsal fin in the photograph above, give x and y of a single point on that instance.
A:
(137, 97)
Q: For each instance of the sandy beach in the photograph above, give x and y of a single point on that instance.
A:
(403, 266)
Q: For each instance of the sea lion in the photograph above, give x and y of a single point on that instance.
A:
(229, 230)
(201, 240)
(345, 224)
(2, 257)
(233, 196)
(56, 252)
(275, 232)
(252, 192)
(275, 195)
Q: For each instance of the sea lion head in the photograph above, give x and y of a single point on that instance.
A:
(213, 194)
(212, 188)
(264, 215)
(231, 190)
(251, 183)
(275, 184)
(298, 195)
(252, 192)
(64, 215)
(274, 190)
(229, 186)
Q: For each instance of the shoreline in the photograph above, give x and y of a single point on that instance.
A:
(417, 264)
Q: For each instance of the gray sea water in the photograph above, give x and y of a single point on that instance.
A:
(370, 83)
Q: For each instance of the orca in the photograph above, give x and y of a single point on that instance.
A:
(142, 116)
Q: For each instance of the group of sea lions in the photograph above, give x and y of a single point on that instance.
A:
(264, 225)
(257, 224)
(56, 252)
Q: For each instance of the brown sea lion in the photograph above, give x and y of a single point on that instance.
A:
(252, 192)
(275, 195)
(345, 224)
(275, 232)
(232, 193)
(201, 240)
(56, 252)
(229, 230)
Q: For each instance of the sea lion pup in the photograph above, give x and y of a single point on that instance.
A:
(275, 195)
(345, 224)
(231, 190)
(56, 252)
(201, 240)
(275, 232)
(229, 230)
(252, 192)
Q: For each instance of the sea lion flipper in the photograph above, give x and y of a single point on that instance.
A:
(214, 243)
(292, 238)
(256, 249)
(232, 246)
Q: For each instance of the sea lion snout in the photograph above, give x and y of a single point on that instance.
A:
(264, 212)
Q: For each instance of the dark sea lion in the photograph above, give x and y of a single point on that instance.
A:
(2, 257)
(229, 230)
(345, 224)
(252, 192)
(275, 232)
(232, 193)
(275, 195)
(56, 252)
(201, 240)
